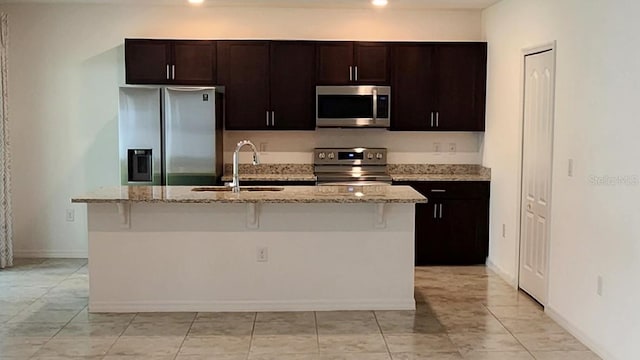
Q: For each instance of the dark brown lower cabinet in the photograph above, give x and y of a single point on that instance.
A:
(453, 227)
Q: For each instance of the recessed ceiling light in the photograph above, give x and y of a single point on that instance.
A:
(196, 2)
(379, 2)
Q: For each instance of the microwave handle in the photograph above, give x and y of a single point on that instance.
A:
(375, 103)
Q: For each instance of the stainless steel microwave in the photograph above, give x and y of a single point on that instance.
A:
(353, 106)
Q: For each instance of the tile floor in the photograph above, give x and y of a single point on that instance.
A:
(463, 313)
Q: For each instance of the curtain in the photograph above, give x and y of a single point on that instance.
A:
(6, 229)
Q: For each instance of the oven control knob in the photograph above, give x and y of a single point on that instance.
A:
(379, 156)
(370, 156)
(321, 156)
(331, 156)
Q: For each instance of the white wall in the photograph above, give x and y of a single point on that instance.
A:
(594, 228)
(66, 62)
(404, 147)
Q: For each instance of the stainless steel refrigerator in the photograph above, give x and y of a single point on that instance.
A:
(170, 135)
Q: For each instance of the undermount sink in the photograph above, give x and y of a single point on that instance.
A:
(242, 188)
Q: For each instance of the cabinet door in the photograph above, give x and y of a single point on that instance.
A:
(335, 63)
(427, 228)
(147, 61)
(293, 85)
(461, 73)
(371, 63)
(244, 71)
(464, 243)
(195, 62)
(452, 232)
(413, 87)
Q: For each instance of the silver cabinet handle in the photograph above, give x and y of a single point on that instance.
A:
(273, 118)
(356, 73)
(173, 72)
(437, 118)
(435, 210)
(432, 119)
(267, 112)
(168, 77)
(350, 73)
(440, 211)
(438, 190)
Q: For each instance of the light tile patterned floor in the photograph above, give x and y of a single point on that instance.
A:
(463, 313)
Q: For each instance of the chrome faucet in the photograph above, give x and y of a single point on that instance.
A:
(235, 183)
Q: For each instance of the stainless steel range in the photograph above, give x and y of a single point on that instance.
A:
(351, 166)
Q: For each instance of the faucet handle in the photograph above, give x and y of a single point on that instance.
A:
(256, 160)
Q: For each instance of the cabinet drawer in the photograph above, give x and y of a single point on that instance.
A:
(450, 189)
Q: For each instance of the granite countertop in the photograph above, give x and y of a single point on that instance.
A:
(273, 177)
(398, 172)
(288, 194)
(439, 172)
(271, 172)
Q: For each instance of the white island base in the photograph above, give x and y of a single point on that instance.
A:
(204, 257)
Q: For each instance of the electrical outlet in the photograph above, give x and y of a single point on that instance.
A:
(504, 230)
(599, 288)
(262, 254)
(452, 147)
(437, 147)
(263, 147)
(70, 215)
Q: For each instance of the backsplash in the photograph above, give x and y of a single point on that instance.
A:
(296, 147)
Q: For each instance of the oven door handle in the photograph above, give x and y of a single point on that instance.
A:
(353, 183)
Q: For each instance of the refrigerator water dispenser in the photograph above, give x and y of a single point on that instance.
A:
(140, 164)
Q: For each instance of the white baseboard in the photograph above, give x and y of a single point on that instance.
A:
(509, 278)
(236, 306)
(573, 330)
(54, 254)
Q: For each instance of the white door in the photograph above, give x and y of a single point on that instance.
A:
(536, 173)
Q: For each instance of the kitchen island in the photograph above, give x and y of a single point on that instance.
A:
(289, 248)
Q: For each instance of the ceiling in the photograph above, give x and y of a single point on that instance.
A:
(394, 4)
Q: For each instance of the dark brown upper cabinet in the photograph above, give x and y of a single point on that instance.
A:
(351, 63)
(180, 62)
(413, 93)
(293, 85)
(439, 86)
(269, 85)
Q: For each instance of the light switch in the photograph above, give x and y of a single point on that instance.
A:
(570, 168)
